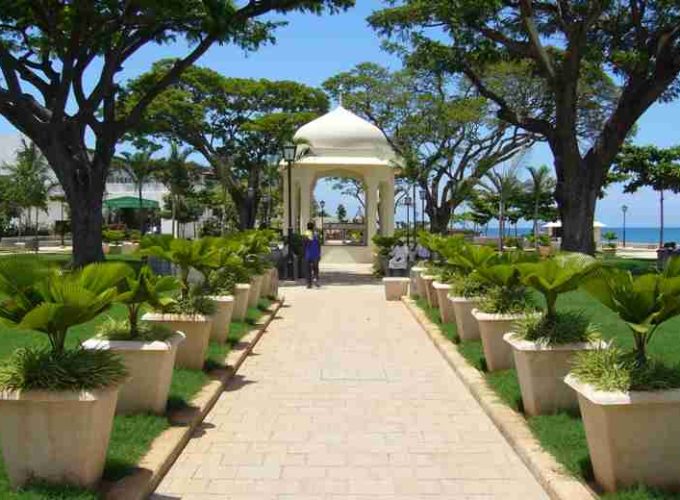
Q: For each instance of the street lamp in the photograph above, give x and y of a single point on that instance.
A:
(289, 155)
(322, 204)
(408, 201)
(422, 195)
(266, 199)
(624, 209)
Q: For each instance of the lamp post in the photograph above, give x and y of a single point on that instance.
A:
(322, 204)
(624, 209)
(422, 194)
(266, 200)
(289, 155)
(408, 201)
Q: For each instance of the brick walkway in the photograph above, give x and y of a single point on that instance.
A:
(346, 398)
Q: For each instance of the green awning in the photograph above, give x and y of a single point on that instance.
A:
(129, 202)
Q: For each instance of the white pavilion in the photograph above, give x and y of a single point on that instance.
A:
(342, 144)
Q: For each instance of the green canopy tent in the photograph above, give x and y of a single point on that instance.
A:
(126, 210)
(129, 202)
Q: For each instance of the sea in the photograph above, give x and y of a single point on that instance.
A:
(645, 235)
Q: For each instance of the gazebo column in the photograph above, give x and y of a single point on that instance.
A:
(371, 209)
(387, 222)
(286, 201)
(305, 202)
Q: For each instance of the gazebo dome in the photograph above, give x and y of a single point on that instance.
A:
(342, 133)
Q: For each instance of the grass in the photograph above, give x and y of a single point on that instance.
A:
(563, 434)
(132, 435)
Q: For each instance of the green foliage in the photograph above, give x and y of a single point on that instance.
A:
(192, 303)
(114, 329)
(113, 236)
(384, 244)
(35, 368)
(507, 300)
(565, 327)
(469, 285)
(341, 213)
(616, 370)
(649, 166)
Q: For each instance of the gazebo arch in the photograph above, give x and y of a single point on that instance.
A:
(341, 144)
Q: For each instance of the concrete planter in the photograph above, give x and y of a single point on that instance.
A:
(275, 282)
(430, 294)
(466, 324)
(241, 295)
(221, 318)
(265, 288)
(492, 328)
(254, 294)
(633, 437)
(56, 437)
(541, 370)
(129, 247)
(395, 288)
(414, 288)
(196, 328)
(445, 308)
(545, 250)
(149, 366)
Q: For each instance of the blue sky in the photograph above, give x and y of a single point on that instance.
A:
(311, 49)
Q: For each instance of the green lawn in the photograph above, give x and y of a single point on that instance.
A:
(131, 435)
(563, 434)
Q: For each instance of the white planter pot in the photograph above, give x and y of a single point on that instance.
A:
(149, 365)
(241, 296)
(221, 318)
(414, 287)
(265, 287)
(445, 308)
(541, 370)
(130, 247)
(492, 328)
(275, 282)
(56, 437)
(633, 437)
(196, 328)
(395, 288)
(466, 324)
(254, 294)
(430, 294)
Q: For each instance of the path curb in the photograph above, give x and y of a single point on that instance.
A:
(169, 445)
(558, 484)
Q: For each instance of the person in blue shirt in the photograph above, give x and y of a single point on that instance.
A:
(312, 251)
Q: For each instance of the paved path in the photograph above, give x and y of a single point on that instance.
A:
(346, 398)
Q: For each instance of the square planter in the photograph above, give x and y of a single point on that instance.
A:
(129, 247)
(430, 294)
(265, 287)
(633, 437)
(492, 328)
(56, 437)
(221, 318)
(196, 328)
(241, 296)
(274, 293)
(445, 309)
(395, 288)
(466, 324)
(414, 288)
(149, 366)
(254, 294)
(541, 370)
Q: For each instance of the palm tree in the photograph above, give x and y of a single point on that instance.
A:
(177, 174)
(539, 187)
(503, 185)
(141, 168)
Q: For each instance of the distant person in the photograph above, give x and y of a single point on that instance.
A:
(422, 253)
(398, 263)
(312, 251)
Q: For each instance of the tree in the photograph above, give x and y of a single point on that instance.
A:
(446, 138)
(653, 167)
(537, 201)
(571, 47)
(235, 124)
(349, 186)
(341, 213)
(501, 185)
(60, 64)
(141, 168)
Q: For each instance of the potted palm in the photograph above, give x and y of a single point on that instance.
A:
(609, 248)
(148, 350)
(629, 401)
(113, 241)
(505, 302)
(191, 312)
(544, 346)
(544, 245)
(57, 402)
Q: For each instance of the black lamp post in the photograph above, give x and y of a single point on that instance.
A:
(624, 209)
(322, 204)
(408, 201)
(266, 200)
(289, 155)
(422, 194)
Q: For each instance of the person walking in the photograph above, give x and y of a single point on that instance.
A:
(398, 264)
(312, 251)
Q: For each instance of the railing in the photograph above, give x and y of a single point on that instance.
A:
(345, 233)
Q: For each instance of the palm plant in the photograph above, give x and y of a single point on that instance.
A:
(644, 302)
(141, 168)
(502, 185)
(538, 188)
(177, 174)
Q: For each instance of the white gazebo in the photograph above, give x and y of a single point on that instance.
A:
(341, 144)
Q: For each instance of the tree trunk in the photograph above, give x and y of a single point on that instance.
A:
(501, 224)
(86, 222)
(439, 218)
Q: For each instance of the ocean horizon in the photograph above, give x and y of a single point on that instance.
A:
(647, 235)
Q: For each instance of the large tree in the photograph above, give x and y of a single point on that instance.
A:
(447, 139)
(236, 124)
(569, 45)
(61, 61)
